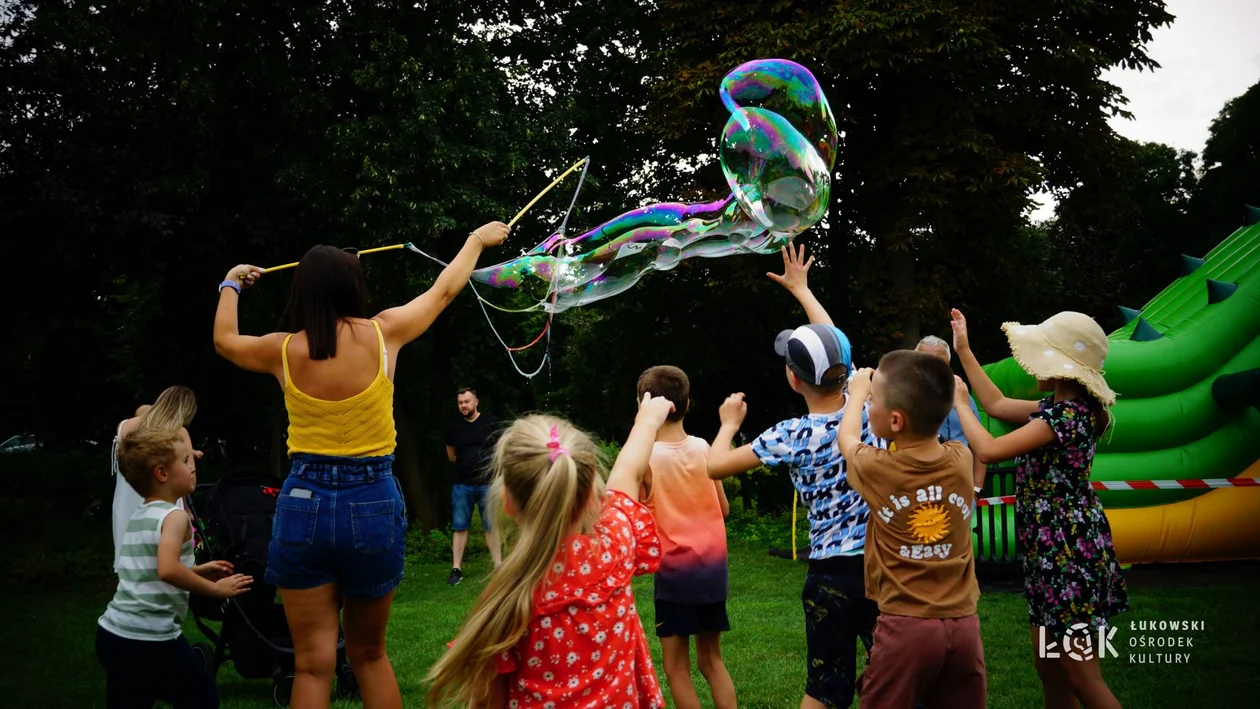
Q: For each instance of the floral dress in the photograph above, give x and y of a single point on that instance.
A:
(585, 646)
(1070, 570)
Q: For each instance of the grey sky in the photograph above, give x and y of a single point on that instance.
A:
(1207, 56)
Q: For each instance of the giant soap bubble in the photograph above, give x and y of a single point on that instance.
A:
(777, 152)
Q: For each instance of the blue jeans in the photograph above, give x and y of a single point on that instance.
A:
(463, 498)
(339, 520)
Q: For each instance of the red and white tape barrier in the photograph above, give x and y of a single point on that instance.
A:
(1142, 485)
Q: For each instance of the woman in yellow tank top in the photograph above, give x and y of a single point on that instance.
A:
(338, 534)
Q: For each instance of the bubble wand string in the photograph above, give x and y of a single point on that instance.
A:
(515, 219)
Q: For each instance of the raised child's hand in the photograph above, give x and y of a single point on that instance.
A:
(795, 269)
(653, 411)
(959, 323)
(234, 585)
(733, 410)
(860, 384)
(962, 397)
(214, 570)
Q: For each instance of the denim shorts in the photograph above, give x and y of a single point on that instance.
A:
(463, 498)
(349, 530)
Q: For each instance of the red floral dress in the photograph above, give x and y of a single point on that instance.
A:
(585, 646)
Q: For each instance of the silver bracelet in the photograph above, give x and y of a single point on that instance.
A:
(483, 241)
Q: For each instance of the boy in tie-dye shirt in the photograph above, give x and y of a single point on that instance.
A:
(691, 583)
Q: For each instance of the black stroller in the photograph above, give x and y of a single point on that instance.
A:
(235, 526)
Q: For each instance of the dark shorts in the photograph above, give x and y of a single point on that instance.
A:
(351, 530)
(690, 619)
(463, 499)
(837, 614)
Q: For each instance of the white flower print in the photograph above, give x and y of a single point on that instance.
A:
(599, 671)
(618, 628)
(514, 704)
(593, 597)
(572, 610)
(572, 658)
(601, 608)
(558, 633)
(584, 569)
(595, 656)
(549, 676)
(577, 545)
(621, 613)
(583, 628)
(534, 662)
(545, 622)
(601, 636)
(538, 645)
(653, 551)
(573, 682)
(639, 525)
(605, 557)
(557, 568)
(549, 705)
(550, 596)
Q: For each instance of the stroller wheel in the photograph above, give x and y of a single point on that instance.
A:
(282, 691)
(205, 651)
(347, 685)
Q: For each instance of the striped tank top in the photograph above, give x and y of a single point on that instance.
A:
(144, 606)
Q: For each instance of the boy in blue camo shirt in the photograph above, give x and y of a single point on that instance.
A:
(837, 612)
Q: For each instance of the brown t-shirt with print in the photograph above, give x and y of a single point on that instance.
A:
(919, 560)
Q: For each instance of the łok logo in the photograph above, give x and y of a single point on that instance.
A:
(1078, 643)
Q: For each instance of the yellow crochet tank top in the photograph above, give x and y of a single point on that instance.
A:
(357, 427)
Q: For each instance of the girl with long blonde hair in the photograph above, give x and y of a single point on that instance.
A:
(556, 625)
(173, 411)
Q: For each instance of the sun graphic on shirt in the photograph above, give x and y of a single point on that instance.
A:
(929, 524)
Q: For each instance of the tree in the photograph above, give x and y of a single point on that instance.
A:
(1231, 169)
(953, 115)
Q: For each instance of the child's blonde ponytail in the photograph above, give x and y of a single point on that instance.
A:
(551, 488)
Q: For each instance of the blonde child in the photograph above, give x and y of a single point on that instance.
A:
(557, 626)
(139, 639)
(690, 587)
(1071, 576)
(173, 410)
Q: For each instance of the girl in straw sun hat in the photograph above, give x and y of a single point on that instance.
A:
(1071, 577)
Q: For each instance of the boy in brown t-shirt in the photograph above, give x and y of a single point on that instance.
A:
(919, 563)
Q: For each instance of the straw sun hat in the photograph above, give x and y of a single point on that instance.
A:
(1065, 346)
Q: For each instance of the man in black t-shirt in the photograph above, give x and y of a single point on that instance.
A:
(470, 445)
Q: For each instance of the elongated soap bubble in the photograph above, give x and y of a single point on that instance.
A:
(777, 152)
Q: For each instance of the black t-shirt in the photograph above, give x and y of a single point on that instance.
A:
(474, 446)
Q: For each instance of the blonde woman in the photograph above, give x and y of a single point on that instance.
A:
(340, 525)
(174, 411)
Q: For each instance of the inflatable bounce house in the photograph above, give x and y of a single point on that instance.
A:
(1187, 370)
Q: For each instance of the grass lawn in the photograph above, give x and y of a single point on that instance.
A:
(48, 660)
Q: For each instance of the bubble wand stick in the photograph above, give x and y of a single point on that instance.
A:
(519, 214)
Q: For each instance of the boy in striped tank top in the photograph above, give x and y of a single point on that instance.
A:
(140, 637)
(691, 584)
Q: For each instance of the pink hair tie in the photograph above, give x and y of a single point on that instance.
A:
(554, 444)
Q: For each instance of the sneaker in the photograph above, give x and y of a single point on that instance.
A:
(455, 577)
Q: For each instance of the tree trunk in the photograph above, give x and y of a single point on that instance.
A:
(905, 318)
(407, 469)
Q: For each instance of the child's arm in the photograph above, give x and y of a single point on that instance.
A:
(978, 468)
(174, 530)
(1000, 407)
(632, 462)
(724, 462)
(850, 433)
(253, 354)
(497, 697)
(726, 505)
(795, 279)
(984, 446)
(402, 324)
